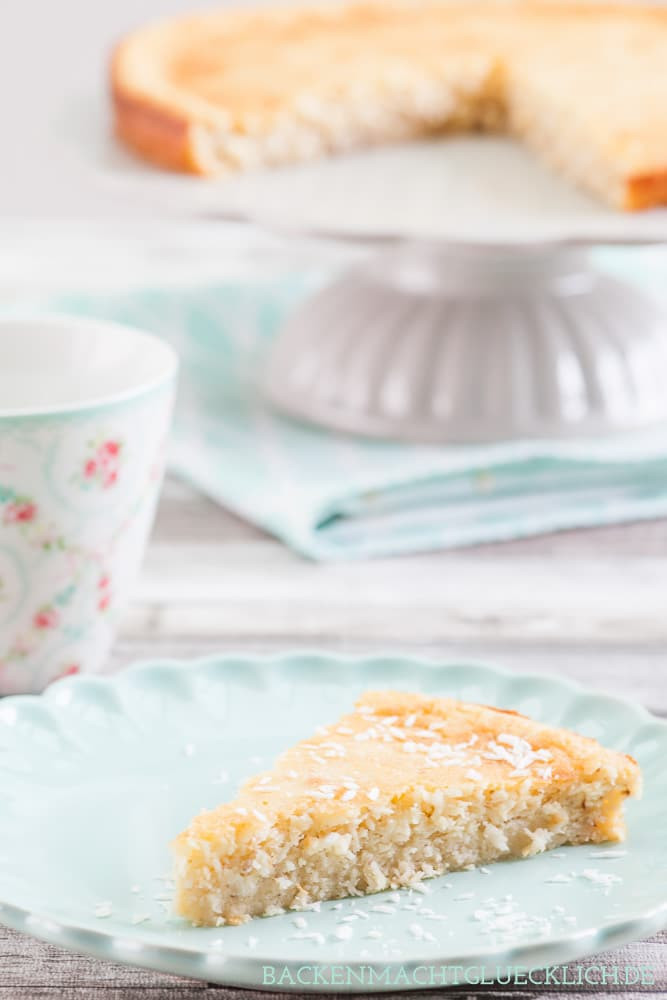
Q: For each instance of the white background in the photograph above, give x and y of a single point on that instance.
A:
(53, 65)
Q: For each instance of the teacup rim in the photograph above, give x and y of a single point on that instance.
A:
(101, 401)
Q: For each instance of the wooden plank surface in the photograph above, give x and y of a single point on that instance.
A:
(588, 605)
(210, 575)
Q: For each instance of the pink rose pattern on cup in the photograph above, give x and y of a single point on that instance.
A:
(104, 590)
(20, 511)
(100, 469)
(102, 466)
(46, 617)
(47, 620)
(75, 508)
(23, 513)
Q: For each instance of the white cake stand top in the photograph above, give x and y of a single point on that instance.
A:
(484, 322)
(469, 189)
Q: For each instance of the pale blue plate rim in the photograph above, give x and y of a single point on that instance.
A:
(191, 961)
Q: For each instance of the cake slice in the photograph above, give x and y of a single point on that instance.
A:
(404, 788)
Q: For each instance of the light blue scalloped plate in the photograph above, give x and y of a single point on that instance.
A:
(97, 776)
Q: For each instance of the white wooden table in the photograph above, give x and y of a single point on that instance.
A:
(589, 605)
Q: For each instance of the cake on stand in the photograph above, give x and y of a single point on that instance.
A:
(481, 316)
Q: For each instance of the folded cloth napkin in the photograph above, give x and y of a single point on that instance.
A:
(336, 497)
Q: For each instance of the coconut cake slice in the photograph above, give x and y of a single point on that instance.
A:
(403, 788)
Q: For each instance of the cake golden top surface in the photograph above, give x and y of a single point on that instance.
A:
(245, 67)
(394, 743)
(271, 56)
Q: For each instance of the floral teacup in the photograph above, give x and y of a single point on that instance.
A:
(84, 416)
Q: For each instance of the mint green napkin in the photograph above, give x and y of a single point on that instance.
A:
(335, 497)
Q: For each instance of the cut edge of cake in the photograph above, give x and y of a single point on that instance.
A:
(379, 800)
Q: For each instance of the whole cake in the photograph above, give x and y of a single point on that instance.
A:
(405, 787)
(585, 84)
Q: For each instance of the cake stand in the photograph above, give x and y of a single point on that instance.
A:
(481, 314)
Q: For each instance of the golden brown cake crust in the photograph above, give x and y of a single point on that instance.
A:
(159, 136)
(645, 191)
(170, 117)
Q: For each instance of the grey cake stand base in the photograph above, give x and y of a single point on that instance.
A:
(431, 343)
